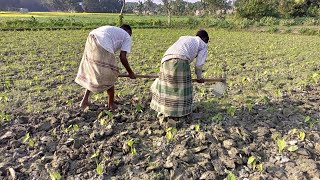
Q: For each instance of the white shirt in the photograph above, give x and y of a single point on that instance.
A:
(188, 48)
(112, 38)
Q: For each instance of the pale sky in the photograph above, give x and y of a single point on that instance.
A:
(158, 1)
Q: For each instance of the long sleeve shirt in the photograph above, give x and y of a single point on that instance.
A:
(189, 48)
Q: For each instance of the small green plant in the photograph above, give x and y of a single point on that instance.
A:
(315, 77)
(130, 143)
(27, 139)
(281, 143)
(293, 148)
(139, 108)
(231, 110)
(104, 120)
(73, 128)
(96, 154)
(55, 175)
(170, 133)
(197, 127)
(278, 93)
(311, 121)
(4, 117)
(249, 103)
(231, 176)
(100, 168)
(253, 162)
(217, 118)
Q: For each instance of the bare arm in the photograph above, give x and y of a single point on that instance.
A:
(125, 63)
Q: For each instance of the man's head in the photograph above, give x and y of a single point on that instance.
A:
(203, 35)
(127, 28)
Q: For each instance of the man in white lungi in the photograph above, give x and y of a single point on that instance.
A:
(98, 70)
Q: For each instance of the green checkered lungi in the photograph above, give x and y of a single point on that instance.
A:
(172, 92)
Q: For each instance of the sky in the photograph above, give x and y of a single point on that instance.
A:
(159, 1)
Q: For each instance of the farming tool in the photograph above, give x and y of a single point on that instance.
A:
(218, 90)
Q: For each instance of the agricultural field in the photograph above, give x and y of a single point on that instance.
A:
(266, 126)
(82, 20)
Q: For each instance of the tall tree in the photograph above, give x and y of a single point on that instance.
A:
(213, 6)
(148, 6)
(121, 12)
(168, 7)
(255, 9)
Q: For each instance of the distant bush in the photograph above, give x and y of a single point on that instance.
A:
(308, 31)
(311, 22)
(269, 21)
(273, 29)
(287, 22)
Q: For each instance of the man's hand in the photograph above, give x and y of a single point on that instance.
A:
(200, 80)
(132, 75)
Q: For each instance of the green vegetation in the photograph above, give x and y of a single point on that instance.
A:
(59, 20)
(40, 67)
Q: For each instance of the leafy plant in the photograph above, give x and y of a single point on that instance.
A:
(55, 175)
(4, 117)
(27, 139)
(231, 176)
(139, 108)
(73, 128)
(281, 143)
(100, 168)
(130, 143)
(104, 120)
(170, 133)
(217, 118)
(231, 110)
(197, 127)
(293, 148)
(311, 121)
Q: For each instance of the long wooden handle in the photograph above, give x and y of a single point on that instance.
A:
(156, 76)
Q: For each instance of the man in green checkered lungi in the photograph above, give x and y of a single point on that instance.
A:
(172, 92)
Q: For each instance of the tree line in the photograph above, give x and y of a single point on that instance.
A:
(251, 9)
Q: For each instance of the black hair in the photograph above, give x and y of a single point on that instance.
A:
(203, 35)
(126, 27)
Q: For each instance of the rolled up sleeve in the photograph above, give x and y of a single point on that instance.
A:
(126, 45)
(201, 59)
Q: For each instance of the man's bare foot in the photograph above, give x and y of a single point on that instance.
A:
(112, 106)
(84, 105)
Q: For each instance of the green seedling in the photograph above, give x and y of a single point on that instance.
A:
(139, 108)
(278, 93)
(217, 118)
(27, 139)
(231, 110)
(96, 154)
(315, 77)
(4, 117)
(100, 168)
(106, 119)
(311, 121)
(73, 128)
(293, 148)
(300, 134)
(231, 176)
(252, 160)
(260, 168)
(249, 103)
(281, 143)
(55, 175)
(170, 133)
(130, 143)
(197, 127)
